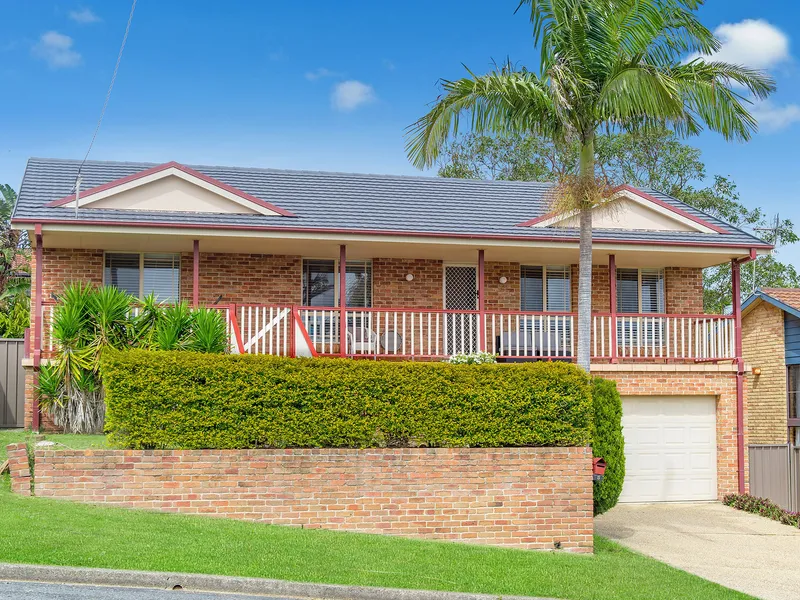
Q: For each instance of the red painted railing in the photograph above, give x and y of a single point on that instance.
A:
(412, 333)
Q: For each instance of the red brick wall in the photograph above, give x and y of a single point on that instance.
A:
(244, 278)
(683, 290)
(697, 383)
(19, 468)
(537, 498)
(390, 288)
(502, 296)
(61, 266)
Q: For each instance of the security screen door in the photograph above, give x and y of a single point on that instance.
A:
(460, 293)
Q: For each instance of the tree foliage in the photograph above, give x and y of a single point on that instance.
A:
(655, 159)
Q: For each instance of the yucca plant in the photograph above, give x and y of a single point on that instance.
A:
(90, 319)
(175, 328)
(208, 332)
(147, 322)
(85, 322)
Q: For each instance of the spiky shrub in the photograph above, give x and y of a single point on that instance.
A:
(208, 332)
(87, 321)
(608, 443)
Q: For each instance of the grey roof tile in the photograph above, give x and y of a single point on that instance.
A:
(357, 202)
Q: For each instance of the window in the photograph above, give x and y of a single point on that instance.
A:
(545, 289)
(141, 274)
(320, 283)
(793, 398)
(640, 291)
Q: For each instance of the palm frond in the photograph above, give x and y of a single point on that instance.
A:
(500, 103)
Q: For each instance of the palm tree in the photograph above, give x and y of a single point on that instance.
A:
(605, 64)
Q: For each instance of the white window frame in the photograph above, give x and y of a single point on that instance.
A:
(545, 307)
(141, 294)
(337, 279)
(662, 275)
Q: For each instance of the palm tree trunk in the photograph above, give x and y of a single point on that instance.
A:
(585, 260)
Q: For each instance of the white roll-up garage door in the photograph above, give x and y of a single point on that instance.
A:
(670, 448)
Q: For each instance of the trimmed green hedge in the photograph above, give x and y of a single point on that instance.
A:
(186, 400)
(608, 443)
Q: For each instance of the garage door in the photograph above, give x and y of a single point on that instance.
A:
(670, 448)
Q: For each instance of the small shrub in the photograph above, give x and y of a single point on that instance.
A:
(763, 507)
(159, 399)
(475, 358)
(608, 443)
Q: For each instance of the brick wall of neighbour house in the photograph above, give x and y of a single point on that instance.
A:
(19, 468)
(244, 278)
(763, 347)
(692, 380)
(535, 498)
(683, 290)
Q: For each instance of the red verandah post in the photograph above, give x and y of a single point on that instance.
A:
(37, 328)
(481, 303)
(612, 286)
(343, 300)
(196, 273)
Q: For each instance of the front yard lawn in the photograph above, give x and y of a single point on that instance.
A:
(71, 440)
(42, 531)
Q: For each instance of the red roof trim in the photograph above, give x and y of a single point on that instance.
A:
(385, 232)
(180, 167)
(649, 198)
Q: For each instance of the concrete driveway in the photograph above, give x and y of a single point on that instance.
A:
(738, 550)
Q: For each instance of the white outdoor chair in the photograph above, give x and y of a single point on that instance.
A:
(361, 340)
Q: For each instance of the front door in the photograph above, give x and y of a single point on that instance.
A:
(460, 293)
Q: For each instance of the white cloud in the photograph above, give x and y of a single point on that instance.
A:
(349, 95)
(84, 16)
(56, 50)
(321, 73)
(773, 118)
(753, 43)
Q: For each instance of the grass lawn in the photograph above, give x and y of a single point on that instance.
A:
(71, 440)
(42, 531)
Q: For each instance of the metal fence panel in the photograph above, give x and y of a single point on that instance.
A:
(12, 383)
(770, 473)
(794, 479)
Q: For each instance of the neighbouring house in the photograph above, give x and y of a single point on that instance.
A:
(771, 345)
(420, 268)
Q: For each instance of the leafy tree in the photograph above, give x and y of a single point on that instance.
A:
(655, 159)
(604, 64)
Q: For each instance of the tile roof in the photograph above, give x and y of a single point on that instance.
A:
(351, 202)
(788, 296)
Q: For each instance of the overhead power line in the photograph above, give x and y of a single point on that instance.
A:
(105, 104)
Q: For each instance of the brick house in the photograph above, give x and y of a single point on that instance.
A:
(771, 346)
(416, 268)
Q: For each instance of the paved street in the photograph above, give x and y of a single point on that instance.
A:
(56, 591)
(745, 552)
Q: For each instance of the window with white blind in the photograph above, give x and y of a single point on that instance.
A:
(545, 288)
(141, 274)
(320, 283)
(640, 291)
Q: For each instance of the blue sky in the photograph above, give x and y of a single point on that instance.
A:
(318, 84)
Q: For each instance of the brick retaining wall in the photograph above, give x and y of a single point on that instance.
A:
(19, 468)
(535, 498)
